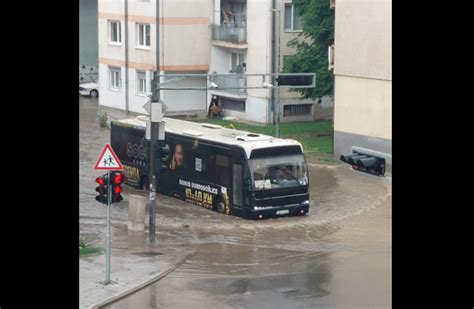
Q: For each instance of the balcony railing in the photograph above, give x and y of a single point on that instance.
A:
(229, 33)
(237, 81)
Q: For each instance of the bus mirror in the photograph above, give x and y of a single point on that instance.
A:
(247, 183)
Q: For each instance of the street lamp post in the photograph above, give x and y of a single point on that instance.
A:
(277, 105)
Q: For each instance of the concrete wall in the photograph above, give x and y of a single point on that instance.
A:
(363, 74)
(186, 100)
(220, 60)
(256, 109)
(363, 38)
(346, 140)
(109, 97)
(186, 35)
(236, 114)
(88, 38)
(363, 106)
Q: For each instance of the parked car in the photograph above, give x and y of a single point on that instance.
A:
(90, 89)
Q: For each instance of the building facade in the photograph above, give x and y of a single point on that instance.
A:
(198, 36)
(88, 44)
(363, 76)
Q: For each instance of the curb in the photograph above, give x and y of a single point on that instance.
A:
(160, 276)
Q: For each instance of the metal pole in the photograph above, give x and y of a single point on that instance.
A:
(153, 137)
(277, 127)
(107, 260)
(273, 82)
(152, 181)
(127, 92)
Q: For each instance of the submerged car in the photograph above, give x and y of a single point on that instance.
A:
(90, 89)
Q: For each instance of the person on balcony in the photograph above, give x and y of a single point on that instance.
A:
(214, 107)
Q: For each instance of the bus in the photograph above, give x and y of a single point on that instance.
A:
(233, 172)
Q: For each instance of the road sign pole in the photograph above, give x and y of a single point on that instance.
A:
(152, 214)
(108, 161)
(107, 261)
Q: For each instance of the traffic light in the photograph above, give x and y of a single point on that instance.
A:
(372, 165)
(117, 179)
(102, 189)
(346, 158)
(164, 155)
(365, 163)
(294, 80)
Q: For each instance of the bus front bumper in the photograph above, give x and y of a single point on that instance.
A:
(259, 213)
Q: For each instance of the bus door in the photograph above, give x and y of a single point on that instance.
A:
(237, 197)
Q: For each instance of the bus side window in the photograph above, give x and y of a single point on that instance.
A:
(222, 170)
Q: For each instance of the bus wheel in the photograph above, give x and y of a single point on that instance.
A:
(220, 206)
(144, 184)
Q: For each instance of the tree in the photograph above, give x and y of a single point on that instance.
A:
(312, 47)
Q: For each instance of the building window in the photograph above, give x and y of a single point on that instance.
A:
(143, 34)
(115, 80)
(237, 62)
(115, 34)
(297, 110)
(141, 82)
(292, 18)
(233, 105)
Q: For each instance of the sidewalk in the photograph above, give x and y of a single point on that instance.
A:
(130, 271)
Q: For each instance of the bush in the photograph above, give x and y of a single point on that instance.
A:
(103, 120)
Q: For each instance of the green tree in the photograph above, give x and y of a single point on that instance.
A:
(312, 47)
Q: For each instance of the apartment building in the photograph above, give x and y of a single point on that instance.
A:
(198, 36)
(88, 54)
(363, 76)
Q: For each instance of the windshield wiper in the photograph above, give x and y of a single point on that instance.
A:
(297, 180)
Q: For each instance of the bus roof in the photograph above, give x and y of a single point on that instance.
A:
(211, 132)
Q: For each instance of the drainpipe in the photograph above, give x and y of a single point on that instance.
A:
(273, 60)
(126, 57)
(157, 79)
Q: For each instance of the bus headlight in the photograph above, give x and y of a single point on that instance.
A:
(305, 202)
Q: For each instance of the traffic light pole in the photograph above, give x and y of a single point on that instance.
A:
(107, 254)
(152, 213)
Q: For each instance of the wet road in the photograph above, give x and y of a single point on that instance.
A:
(339, 255)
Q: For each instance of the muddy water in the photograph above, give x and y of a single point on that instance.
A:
(339, 255)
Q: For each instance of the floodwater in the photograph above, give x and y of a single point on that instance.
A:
(339, 255)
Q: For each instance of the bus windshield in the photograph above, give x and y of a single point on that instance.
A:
(278, 172)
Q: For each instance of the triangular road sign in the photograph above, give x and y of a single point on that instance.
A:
(147, 107)
(108, 160)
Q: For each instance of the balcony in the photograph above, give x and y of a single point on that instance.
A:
(231, 81)
(229, 36)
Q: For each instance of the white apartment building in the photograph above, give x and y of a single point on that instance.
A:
(199, 36)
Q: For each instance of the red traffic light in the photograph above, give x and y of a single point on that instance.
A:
(118, 178)
(118, 190)
(100, 181)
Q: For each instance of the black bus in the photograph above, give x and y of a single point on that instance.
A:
(233, 172)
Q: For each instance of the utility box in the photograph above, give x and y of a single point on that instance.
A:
(136, 213)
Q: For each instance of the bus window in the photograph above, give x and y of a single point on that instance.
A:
(278, 172)
(237, 184)
(222, 170)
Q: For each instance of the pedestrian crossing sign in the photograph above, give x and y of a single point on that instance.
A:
(108, 160)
